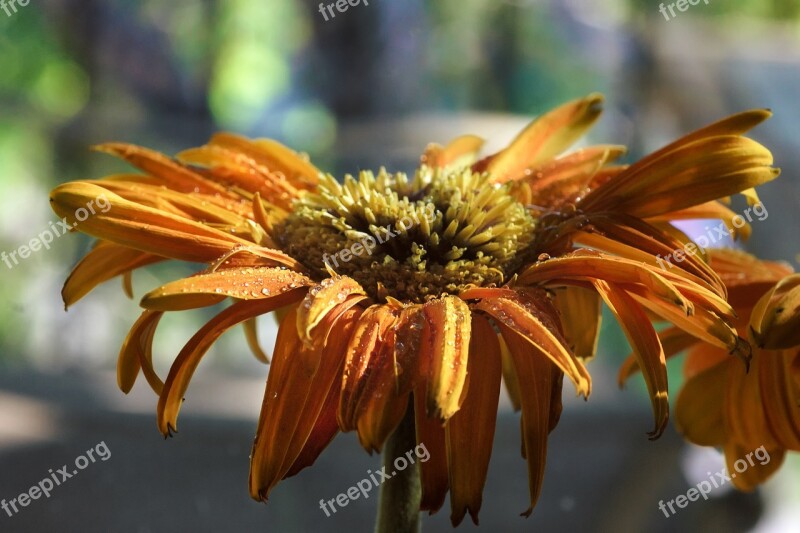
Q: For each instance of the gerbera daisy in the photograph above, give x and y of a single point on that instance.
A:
(403, 300)
(722, 404)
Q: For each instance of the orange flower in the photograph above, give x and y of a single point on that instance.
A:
(411, 296)
(724, 405)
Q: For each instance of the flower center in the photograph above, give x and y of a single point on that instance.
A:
(412, 239)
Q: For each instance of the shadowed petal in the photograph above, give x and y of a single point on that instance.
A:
(433, 472)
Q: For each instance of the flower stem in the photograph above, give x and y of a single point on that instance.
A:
(398, 508)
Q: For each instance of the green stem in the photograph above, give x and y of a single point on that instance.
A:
(398, 508)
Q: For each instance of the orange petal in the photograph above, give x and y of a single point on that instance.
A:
(320, 300)
(673, 340)
(185, 364)
(272, 155)
(546, 137)
(381, 407)
(251, 335)
(105, 261)
(433, 472)
(646, 346)
(520, 319)
(469, 451)
(536, 375)
(366, 342)
(753, 475)
(170, 173)
(210, 288)
(584, 264)
(140, 227)
(445, 345)
(460, 152)
(137, 353)
(698, 409)
(580, 318)
(293, 404)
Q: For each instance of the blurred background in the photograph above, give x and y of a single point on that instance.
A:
(370, 87)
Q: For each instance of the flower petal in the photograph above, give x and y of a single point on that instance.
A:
(522, 320)
(137, 353)
(170, 173)
(445, 346)
(321, 300)
(106, 260)
(294, 402)
(580, 318)
(546, 137)
(185, 364)
(209, 288)
(537, 376)
(703, 426)
(144, 228)
(272, 155)
(469, 451)
(363, 350)
(460, 152)
(646, 346)
(433, 472)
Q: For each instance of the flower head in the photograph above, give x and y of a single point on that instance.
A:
(412, 296)
(725, 406)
